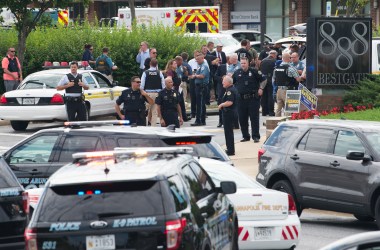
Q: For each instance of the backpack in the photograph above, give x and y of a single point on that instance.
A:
(102, 65)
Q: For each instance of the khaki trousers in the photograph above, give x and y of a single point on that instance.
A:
(184, 89)
(152, 109)
(281, 96)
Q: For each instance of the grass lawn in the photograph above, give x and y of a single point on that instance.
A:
(367, 115)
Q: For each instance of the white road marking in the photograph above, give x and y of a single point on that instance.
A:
(10, 134)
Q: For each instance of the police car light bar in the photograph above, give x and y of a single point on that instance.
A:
(96, 123)
(134, 152)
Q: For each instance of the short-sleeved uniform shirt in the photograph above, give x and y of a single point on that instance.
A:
(246, 82)
(133, 100)
(168, 99)
(230, 95)
(202, 69)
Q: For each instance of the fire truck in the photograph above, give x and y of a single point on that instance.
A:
(202, 19)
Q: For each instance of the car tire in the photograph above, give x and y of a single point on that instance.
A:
(286, 187)
(19, 125)
(364, 218)
(377, 212)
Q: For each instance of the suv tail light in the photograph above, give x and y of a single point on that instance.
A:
(292, 205)
(25, 202)
(3, 100)
(260, 153)
(57, 99)
(30, 236)
(174, 230)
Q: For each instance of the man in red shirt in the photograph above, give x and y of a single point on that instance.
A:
(12, 70)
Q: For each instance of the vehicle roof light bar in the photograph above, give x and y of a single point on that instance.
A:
(133, 152)
(96, 123)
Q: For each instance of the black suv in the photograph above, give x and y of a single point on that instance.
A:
(14, 209)
(145, 198)
(34, 159)
(325, 164)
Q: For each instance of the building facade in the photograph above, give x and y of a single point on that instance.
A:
(274, 16)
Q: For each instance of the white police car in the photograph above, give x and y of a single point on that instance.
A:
(37, 99)
(140, 198)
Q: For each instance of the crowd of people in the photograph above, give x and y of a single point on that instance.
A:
(241, 83)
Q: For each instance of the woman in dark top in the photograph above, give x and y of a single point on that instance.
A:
(87, 55)
(170, 71)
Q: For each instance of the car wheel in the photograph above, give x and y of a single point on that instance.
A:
(377, 212)
(286, 187)
(366, 218)
(235, 237)
(19, 125)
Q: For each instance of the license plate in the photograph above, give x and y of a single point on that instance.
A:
(28, 101)
(264, 233)
(103, 242)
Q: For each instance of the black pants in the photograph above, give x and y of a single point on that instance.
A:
(193, 98)
(267, 102)
(135, 117)
(249, 108)
(182, 105)
(170, 117)
(76, 111)
(221, 92)
(200, 93)
(228, 126)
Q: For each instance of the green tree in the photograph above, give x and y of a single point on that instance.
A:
(25, 21)
(355, 8)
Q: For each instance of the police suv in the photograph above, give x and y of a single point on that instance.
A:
(136, 198)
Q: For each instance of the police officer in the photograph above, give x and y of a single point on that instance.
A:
(134, 100)
(201, 79)
(168, 105)
(267, 66)
(243, 51)
(286, 77)
(227, 106)
(152, 81)
(249, 84)
(73, 84)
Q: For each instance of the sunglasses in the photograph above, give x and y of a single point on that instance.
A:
(138, 81)
(154, 52)
(12, 51)
(91, 49)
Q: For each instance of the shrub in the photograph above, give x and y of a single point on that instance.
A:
(66, 44)
(367, 91)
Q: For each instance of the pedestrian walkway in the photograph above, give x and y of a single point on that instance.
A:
(245, 158)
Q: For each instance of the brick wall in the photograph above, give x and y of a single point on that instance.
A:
(226, 7)
(302, 12)
(327, 102)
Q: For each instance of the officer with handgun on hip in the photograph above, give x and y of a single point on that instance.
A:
(249, 84)
(74, 84)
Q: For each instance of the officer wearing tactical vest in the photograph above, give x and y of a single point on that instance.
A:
(267, 66)
(249, 84)
(134, 100)
(152, 81)
(286, 77)
(73, 84)
(168, 105)
(12, 70)
(228, 106)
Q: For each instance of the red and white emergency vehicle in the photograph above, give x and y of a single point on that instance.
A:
(203, 19)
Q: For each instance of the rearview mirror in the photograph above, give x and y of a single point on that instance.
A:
(357, 156)
(228, 187)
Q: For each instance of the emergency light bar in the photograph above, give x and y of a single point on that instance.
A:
(96, 123)
(134, 152)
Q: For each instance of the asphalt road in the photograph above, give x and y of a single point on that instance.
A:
(319, 228)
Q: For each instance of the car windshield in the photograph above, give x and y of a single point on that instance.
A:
(43, 81)
(229, 174)
(374, 139)
(97, 201)
(225, 40)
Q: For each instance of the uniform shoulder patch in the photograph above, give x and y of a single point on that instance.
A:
(228, 92)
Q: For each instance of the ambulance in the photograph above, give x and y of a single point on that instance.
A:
(202, 19)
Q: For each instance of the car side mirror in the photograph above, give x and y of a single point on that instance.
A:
(115, 83)
(357, 156)
(228, 187)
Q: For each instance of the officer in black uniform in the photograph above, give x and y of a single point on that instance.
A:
(134, 100)
(168, 107)
(243, 51)
(73, 84)
(267, 66)
(227, 106)
(249, 84)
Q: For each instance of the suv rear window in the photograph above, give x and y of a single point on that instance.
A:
(101, 200)
(7, 179)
